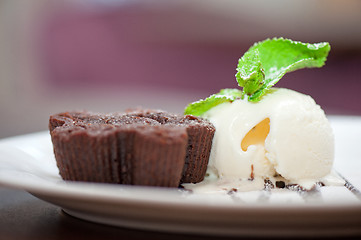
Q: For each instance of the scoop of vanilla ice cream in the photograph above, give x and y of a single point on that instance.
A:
(285, 133)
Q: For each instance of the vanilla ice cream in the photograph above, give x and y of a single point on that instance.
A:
(286, 133)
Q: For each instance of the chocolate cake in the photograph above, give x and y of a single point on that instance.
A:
(139, 147)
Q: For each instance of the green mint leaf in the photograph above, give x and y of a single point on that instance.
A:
(200, 107)
(250, 73)
(261, 67)
(265, 63)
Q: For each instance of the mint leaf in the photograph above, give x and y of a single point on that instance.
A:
(262, 66)
(200, 107)
(265, 63)
(250, 73)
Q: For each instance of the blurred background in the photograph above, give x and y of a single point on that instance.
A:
(109, 55)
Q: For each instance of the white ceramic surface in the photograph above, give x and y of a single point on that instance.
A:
(27, 163)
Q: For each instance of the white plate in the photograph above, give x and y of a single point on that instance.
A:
(27, 163)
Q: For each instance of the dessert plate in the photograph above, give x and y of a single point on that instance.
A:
(27, 163)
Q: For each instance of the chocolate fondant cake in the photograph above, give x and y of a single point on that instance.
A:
(140, 147)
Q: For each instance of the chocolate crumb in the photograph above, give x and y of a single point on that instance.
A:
(233, 190)
(321, 184)
(268, 185)
(295, 187)
(352, 188)
(280, 184)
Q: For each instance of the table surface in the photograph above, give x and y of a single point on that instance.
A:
(23, 216)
